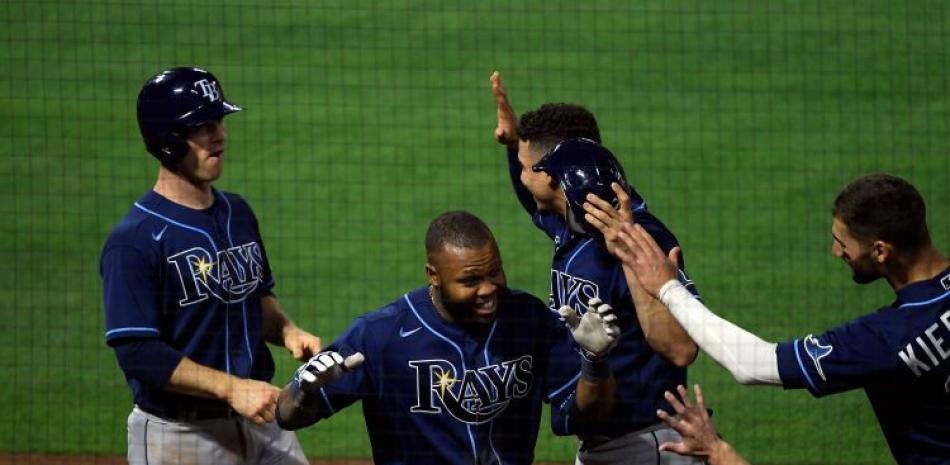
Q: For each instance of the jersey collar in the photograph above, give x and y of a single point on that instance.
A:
(924, 292)
(429, 316)
(178, 211)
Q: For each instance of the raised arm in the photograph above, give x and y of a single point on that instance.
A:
(661, 331)
(506, 134)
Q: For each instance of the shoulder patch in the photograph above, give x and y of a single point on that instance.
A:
(816, 351)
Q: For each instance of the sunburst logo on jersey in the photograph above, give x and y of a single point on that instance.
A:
(477, 395)
(444, 381)
(229, 275)
(203, 268)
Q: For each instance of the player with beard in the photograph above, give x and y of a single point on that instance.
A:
(899, 354)
(456, 371)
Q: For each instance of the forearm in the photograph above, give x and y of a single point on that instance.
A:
(198, 380)
(750, 359)
(514, 173)
(595, 400)
(275, 322)
(295, 408)
(660, 329)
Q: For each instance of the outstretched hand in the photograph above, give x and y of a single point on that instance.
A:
(324, 368)
(699, 436)
(607, 219)
(641, 255)
(505, 130)
(596, 332)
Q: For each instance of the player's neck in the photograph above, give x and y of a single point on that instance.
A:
(183, 191)
(923, 266)
(560, 205)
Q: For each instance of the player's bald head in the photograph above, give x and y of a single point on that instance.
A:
(459, 229)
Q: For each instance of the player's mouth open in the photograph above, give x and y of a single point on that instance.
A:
(216, 153)
(486, 306)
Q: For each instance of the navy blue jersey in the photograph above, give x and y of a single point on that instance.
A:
(192, 279)
(900, 355)
(434, 393)
(582, 269)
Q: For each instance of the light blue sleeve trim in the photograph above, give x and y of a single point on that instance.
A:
(570, 383)
(801, 366)
(132, 329)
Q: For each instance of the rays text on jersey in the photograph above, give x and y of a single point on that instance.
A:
(478, 396)
(571, 291)
(229, 277)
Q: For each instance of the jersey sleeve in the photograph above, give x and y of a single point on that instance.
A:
(353, 386)
(561, 374)
(843, 358)
(551, 223)
(514, 173)
(130, 294)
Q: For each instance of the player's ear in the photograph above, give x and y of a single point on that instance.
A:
(432, 275)
(881, 251)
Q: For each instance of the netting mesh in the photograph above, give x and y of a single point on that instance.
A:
(738, 121)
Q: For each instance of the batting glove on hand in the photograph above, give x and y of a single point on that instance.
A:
(596, 332)
(325, 367)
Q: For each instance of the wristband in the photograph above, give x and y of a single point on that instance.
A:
(594, 369)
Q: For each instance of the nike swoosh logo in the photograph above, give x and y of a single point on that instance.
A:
(158, 236)
(408, 333)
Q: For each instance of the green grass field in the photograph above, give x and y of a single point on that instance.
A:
(738, 121)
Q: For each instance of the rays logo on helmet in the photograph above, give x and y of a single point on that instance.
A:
(209, 89)
(478, 396)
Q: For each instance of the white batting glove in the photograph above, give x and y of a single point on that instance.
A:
(325, 367)
(596, 332)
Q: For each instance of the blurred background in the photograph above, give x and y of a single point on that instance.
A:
(738, 121)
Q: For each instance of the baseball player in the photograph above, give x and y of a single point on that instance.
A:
(189, 299)
(552, 174)
(456, 371)
(899, 355)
